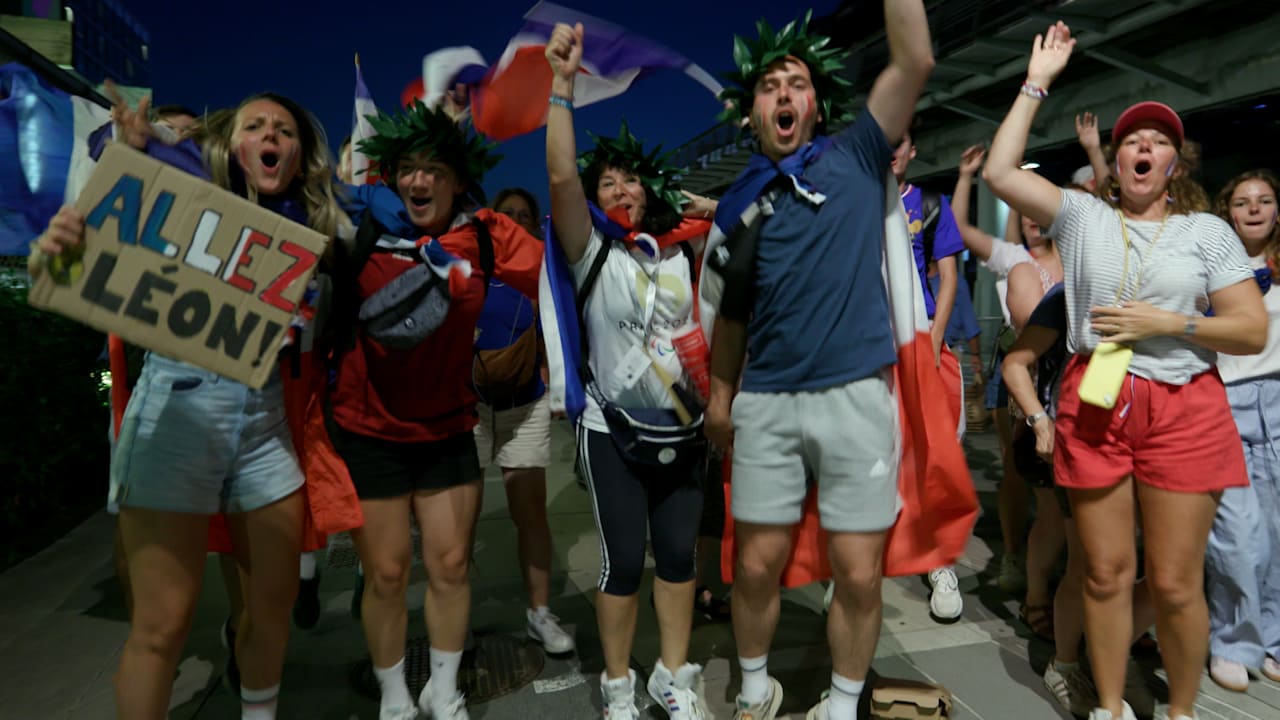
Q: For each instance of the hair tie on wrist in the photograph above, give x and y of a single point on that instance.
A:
(562, 101)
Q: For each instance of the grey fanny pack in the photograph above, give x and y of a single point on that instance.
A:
(405, 311)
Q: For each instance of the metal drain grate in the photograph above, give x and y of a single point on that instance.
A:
(498, 665)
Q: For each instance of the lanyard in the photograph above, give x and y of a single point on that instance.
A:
(1124, 274)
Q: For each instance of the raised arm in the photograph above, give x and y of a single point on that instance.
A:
(977, 241)
(1023, 190)
(569, 212)
(893, 96)
(1091, 141)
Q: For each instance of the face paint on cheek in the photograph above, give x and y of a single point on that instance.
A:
(290, 157)
(805, 108)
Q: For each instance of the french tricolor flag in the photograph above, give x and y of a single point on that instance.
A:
(361, 129)
(44, 152)
(512, 98)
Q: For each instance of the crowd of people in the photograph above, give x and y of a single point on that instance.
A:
(1131, 390)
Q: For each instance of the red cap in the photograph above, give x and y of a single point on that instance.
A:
(1148, 112)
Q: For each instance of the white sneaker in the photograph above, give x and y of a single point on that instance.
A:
(1072, 689)
(1229, 674)
(454, 708)
(1100, 714)
(619, 697)
(945, 602)
(681, 694)
(545, 628)
(400, 712)
(766, 709)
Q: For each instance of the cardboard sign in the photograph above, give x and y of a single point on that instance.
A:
(182, 267)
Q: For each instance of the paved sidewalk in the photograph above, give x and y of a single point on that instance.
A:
(62, 624)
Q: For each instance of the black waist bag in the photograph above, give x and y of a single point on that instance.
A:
(654, 436)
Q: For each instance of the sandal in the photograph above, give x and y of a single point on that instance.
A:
(1039, 618)
(710, 606)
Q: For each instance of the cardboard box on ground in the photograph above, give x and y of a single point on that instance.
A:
(182, 267)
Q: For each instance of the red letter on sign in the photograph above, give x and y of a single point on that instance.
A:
(303, 261)
(248, 238)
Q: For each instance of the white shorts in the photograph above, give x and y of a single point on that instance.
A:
(515, 438)
(844, 438)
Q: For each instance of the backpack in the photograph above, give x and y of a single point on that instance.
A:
(499, 376)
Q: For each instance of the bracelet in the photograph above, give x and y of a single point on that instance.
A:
(1033, 90)
(562, 101)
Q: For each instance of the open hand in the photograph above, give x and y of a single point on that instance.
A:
(1087, 131)
(1134, 321)
(971, 159)
(133, 126)
(1049, 54)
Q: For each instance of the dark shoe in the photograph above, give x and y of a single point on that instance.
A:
(712, 608)
(306, 608)
(1039, 619)
(357, 594)
(231, 671)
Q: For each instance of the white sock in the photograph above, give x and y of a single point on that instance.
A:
(842, 701)
(395, 692)
(755, 679)
(307, 566)
(444, 674)
(541, 612)
(258, 704)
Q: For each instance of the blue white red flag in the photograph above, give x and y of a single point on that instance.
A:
(512, 98)
(43, 153)
(361, 129)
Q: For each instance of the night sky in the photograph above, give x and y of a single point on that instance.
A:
(213, 54)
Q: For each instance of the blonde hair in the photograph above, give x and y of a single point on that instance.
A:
(313, 187)
(1223, 207)
(1186, 196)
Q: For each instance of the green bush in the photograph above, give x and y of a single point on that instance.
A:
(54, 452)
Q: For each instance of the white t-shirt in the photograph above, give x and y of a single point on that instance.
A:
(1235, 368)
(1195, 255)
(637, 303)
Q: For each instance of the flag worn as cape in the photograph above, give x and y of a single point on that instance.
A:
(938, 502)
(558, 309)
(513, 97)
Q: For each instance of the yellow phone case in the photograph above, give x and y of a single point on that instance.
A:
(1105, 374)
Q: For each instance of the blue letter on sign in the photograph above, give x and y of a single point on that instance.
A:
(128, 195)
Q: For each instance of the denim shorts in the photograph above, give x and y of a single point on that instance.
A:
(193, 441)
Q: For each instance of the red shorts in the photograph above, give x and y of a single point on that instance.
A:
(1174, 437)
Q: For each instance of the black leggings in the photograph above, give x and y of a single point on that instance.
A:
(620, 494)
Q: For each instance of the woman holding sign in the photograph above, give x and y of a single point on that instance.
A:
(1143, 423)
(193, 443)
(408, 294)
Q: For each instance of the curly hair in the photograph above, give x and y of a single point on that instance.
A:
(1223, 207)
(1186, 195)
(314, 185)
(659, 217)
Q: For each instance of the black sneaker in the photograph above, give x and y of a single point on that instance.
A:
(306, 608)
(231, 671)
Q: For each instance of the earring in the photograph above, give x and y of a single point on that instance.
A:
(1169, 199)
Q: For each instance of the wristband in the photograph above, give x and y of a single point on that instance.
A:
(562, 101)
(1033, 90)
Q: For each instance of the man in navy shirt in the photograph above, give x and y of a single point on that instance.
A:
(815, 402)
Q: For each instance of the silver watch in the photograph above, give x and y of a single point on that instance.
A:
(1033, 419)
